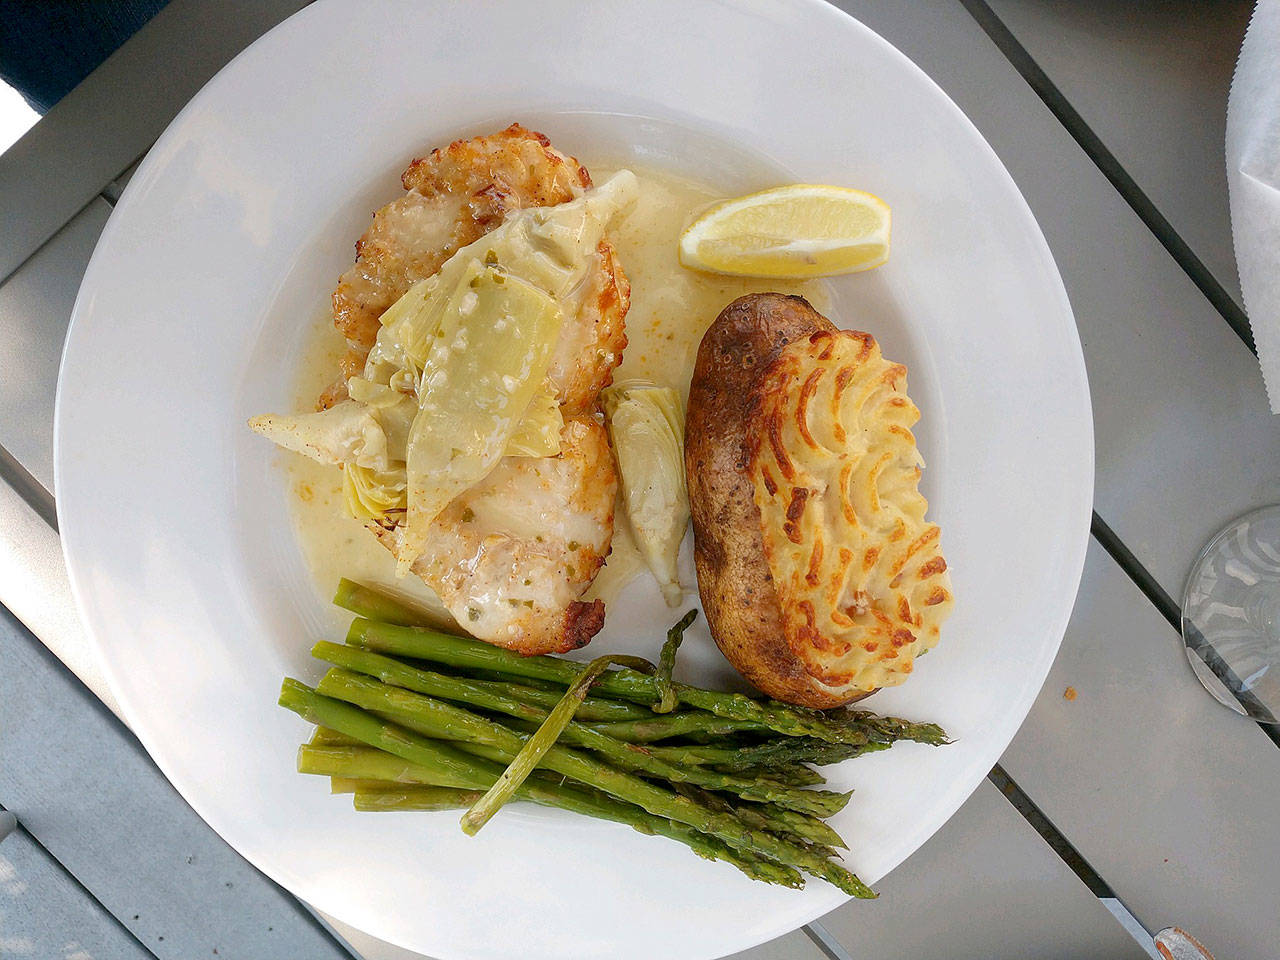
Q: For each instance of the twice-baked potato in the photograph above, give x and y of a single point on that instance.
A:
(820, 578)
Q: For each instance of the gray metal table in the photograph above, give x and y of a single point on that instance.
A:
(1110, 117)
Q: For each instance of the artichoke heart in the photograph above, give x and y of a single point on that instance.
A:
(349, 432)
(489, 359)
(371, 494)
(646, 428)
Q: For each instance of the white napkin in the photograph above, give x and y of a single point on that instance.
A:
(1253, 178)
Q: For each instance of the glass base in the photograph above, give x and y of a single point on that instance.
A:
(1231, 615)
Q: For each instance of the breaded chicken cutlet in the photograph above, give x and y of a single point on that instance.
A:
(512, 556)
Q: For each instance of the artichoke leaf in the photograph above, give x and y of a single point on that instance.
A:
(477, 383)
(538, 433)
(349, 432)
(393, 410)
(646, 428)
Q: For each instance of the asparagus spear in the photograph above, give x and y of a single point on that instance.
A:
(452, 722)
(394, 796)
(500, 676)
(888, 729)
(354, 764)
(604, 808)
(376, 605)
(450, 767)
(424, 644)
(671, 725)
(593, 709)
(363, 765)
(367, 763)
(667, 663)
(771, 753)
(344, 784)
(536, 747)
(509, 698)
(789, 775)
(324, 737)
(373, 604)
(370, 764)
(822, 840)
(770, 816)
(637, 759)
(438, 719)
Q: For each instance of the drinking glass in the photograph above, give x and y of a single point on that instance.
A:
(1231, 615)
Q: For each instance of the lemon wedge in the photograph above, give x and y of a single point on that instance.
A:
(792, 232)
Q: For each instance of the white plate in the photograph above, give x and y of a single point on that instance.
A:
(222, 252)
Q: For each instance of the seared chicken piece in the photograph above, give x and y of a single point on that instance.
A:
(455, 196)
(511, 556)
(591, 346)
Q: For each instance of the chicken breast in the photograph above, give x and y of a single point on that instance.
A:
(511, 556)
(455, 196)
(591, 347)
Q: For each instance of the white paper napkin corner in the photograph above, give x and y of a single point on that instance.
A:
(1253, 180)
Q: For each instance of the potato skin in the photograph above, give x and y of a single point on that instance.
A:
(733, 575)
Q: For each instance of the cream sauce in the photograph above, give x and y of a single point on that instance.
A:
(623, 564)
(671, 308)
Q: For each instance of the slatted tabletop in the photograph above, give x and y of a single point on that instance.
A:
(1110, 118)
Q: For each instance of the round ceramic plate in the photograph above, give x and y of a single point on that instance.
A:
(218, 261)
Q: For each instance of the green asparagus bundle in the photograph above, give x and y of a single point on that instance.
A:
(410, 718)
(400, 678)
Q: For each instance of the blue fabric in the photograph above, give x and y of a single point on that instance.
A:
(48, 46)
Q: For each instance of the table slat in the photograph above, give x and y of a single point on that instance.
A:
(45, 913)
(986, 885)
(114, 116)
(88, 792)
(35, 305)
(35, 588)
(1151, 81)
(1169, 796)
